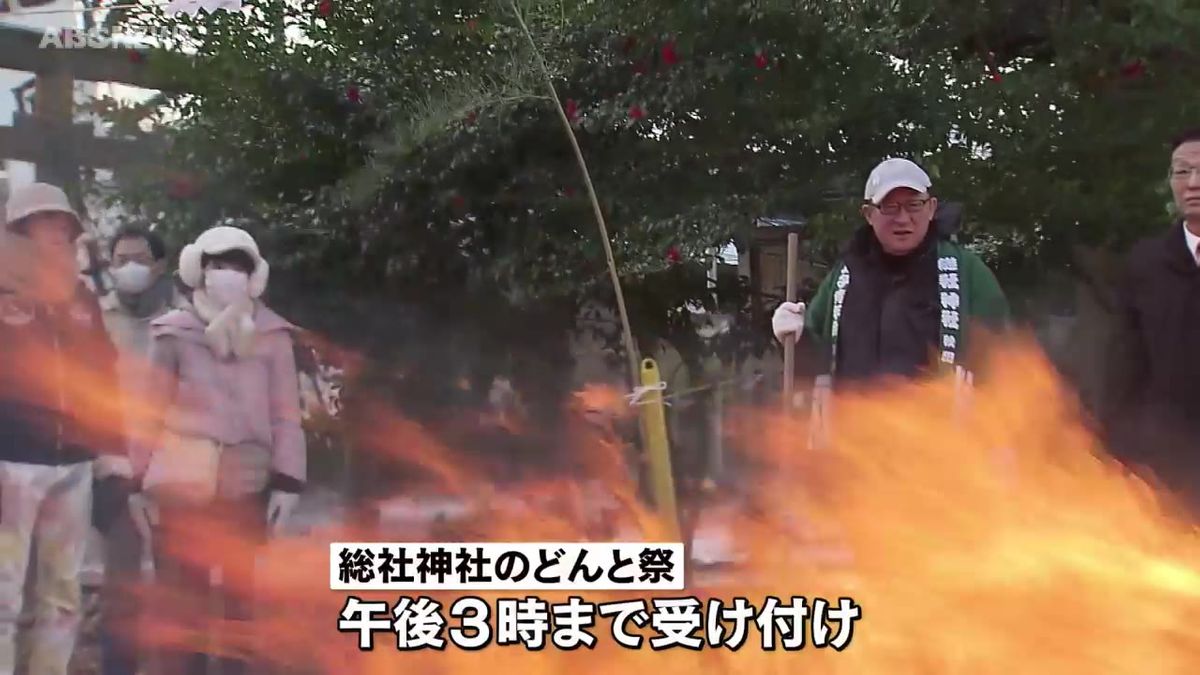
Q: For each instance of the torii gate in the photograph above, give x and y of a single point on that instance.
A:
(49, 138)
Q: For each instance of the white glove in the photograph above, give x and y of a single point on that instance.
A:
(145, 515)
(279, 510)
(113, 465)
(788, 320)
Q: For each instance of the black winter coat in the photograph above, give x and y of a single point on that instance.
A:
(1152, 392)
(59, 397)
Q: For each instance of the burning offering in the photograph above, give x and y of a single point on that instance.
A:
(929, 536)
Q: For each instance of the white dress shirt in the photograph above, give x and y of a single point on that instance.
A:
(1193, 243)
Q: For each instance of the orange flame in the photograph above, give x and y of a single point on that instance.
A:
(991, 537)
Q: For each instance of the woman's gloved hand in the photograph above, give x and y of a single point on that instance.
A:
(280, 508)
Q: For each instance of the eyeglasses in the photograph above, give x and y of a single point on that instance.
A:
(914, 206)
(1182, 173)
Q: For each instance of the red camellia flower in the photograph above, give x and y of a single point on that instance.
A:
(182, 186)
(669, 56)
(761, 61)
(636, 112)
(571, 108)
(674, 256)
(325, 8)
(136, 57)
(993, 72)
(353, 94)
(1134, 69)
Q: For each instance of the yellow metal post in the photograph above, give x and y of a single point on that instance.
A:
(658, 449)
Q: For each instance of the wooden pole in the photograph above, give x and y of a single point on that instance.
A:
(716, 373)
(28, 138)
(789, 343)
(53, 107)
(20, 49)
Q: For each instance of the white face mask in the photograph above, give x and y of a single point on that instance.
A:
(133, 278)
(226, 286)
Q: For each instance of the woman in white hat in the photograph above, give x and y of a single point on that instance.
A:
(227, 442)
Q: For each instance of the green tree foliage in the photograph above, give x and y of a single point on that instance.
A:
(406, 170)
(409, 149)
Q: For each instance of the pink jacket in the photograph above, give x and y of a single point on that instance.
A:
(253, 400)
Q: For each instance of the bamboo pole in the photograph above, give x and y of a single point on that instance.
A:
(630, 347)
(653, 421)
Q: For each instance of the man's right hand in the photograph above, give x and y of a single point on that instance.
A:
(788, 320)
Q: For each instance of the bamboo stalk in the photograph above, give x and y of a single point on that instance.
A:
(630, 347)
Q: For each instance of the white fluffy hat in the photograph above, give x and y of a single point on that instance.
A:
(219, 240)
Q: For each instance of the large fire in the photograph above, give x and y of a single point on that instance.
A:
(989, 536)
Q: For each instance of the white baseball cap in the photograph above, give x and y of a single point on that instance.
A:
(895, 173)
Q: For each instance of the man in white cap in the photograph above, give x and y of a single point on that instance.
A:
(60, 409)
(902, 298)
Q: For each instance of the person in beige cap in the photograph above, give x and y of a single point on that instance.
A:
(60, 409)
(40, 262)
(902, 300)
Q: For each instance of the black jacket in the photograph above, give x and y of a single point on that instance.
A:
(59, 398)
(1152, 392)
(891, 314)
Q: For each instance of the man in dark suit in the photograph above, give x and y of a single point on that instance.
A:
(1152, 412)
